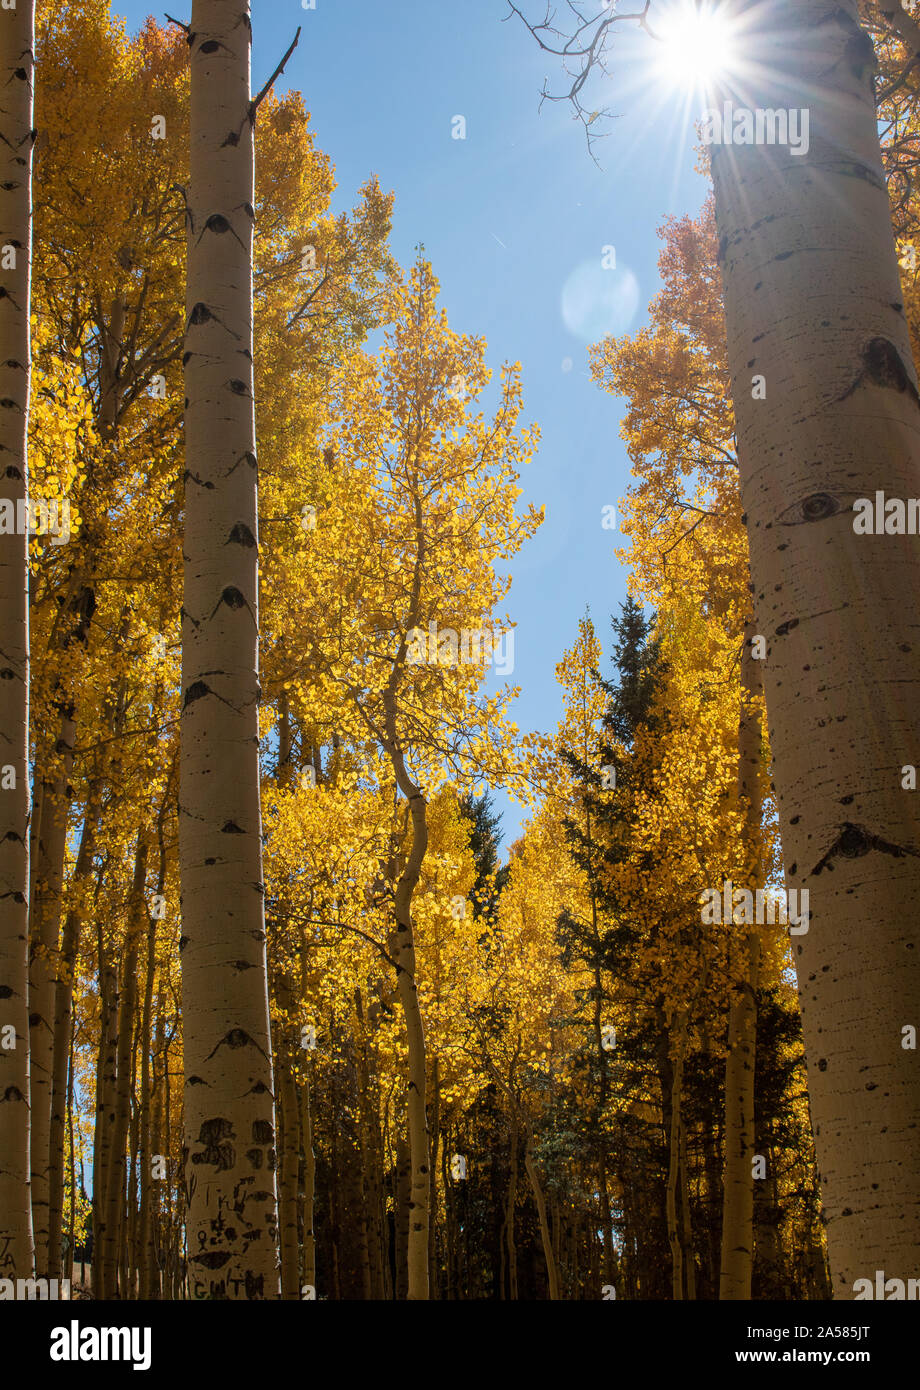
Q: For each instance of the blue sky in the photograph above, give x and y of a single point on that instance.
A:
(514, 219)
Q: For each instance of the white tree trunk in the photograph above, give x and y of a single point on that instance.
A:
(229, 1114)
(737, 1254)
(16, 137)
(813, 305)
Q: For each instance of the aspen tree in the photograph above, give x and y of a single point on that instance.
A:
(229, 1114)
(736, 1261)
(17, 29)
(419, 1213)
(539, 1196)
(114, 1192)
(63, 1033)
(813, 303)
(815, 311)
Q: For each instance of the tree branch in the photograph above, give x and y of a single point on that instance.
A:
(254, 105)
(901, 23)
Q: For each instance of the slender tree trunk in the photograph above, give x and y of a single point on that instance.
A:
(814, 306)
(686, 1219)
(17, 29)
(738, 1180)
(116, 1176)
(71, 1216)
(369, 1158)
(540, 1199)
(677, 1281)
(63, 1030)
(433, 1171)
(402, 1203)
(229, 1114)
(151, 1129)
(128, 1242)
(419, 1147)
(145, 1169)
(105, 1105)
(289, 1177)
(509, 1219)
(44, 934)
(309, 1185)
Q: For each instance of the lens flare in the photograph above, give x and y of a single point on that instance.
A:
(695, 46)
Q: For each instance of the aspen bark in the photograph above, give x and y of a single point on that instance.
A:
(309, 1186)
(44, 934)
(151, 1124)
(370, 1158)
(289, 1112)
(144, 1230)
(433, 1178)
(737, 1254)
(677, 1275)
(105, 1105)
(229, 1140)
(509, 1219)
(16, 64)
(814, 306)
(63, 1036)
(686, 1221)
(419, 1146)
(539, 1197)
(402, 1198)
(120, 1092)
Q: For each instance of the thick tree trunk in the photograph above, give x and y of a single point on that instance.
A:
(16, 137)
(814, 306)
(229, 1113)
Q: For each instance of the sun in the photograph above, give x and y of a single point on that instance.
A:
(694, 44)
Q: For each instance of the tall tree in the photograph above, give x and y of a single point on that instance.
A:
(229, 1115)
(825, 400)
(17, 31)
(737, 1259)
(814, 308)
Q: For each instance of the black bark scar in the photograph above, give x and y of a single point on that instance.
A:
(855, 841)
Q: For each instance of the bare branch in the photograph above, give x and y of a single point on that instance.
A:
(254, 105)
(589, 48)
